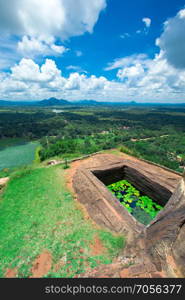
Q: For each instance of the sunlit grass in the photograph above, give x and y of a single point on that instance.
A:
(37, 213)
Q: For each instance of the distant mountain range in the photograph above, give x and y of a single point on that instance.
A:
(60, 102)
(47, 102)
(56, 102)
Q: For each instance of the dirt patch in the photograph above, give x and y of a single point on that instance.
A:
(172, 266)
(3, 181)
(92, 161)
(41, 265)
(11, 273)
(70, 173)
(69, 182)
(97, 247)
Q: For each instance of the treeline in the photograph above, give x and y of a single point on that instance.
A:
(29, 124)
(75, 147)
(37, 123)
(168, 151)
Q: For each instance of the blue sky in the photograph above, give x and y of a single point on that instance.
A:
(121, 17)
(110, 50)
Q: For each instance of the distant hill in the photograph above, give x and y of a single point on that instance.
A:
(53, 102)
(61, 102)
(46, 102)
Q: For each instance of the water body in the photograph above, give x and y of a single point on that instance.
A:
(17, 155)
(57, 111)
(143, 208)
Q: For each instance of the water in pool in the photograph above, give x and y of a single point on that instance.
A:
(143, 208)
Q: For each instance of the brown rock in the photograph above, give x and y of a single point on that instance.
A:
(164, 236)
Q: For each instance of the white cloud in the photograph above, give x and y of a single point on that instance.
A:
(124, 35)
(49, 18)
(127, 61)
(172, 40)
(181, 14)
(38, 24)
(58, 49)
(131, 72)
(76, 69)
(150, 78)
(28, 80)
(31, 47)
(140, 78)
(147, 22)
(79, 53)
(163, 77)
(28, 71)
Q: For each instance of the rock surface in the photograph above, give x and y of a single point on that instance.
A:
(3, 181)
(160, 245)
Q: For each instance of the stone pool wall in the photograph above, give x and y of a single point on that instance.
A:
(163, 238)
(147, 185)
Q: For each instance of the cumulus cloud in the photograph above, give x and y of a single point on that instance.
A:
(39, 24)
(28, 79)
(150, 78)
(132, 72)
(28, 71)
(49, 18)
(160, 78)
(31, 47)
(139, 78)
(172, 40)
(147, 22)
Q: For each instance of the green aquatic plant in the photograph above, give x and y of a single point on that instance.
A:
(134, 201)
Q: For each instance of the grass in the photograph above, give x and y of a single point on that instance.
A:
(112, 151)
(37, 213)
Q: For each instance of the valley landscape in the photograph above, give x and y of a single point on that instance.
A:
(152, 132)
(32, 137)
(92, 144)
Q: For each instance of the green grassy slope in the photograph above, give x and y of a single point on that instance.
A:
(37, 213)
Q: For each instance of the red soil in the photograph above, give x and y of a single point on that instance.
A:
(96, 247)
(11, 273)
(41, 265)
